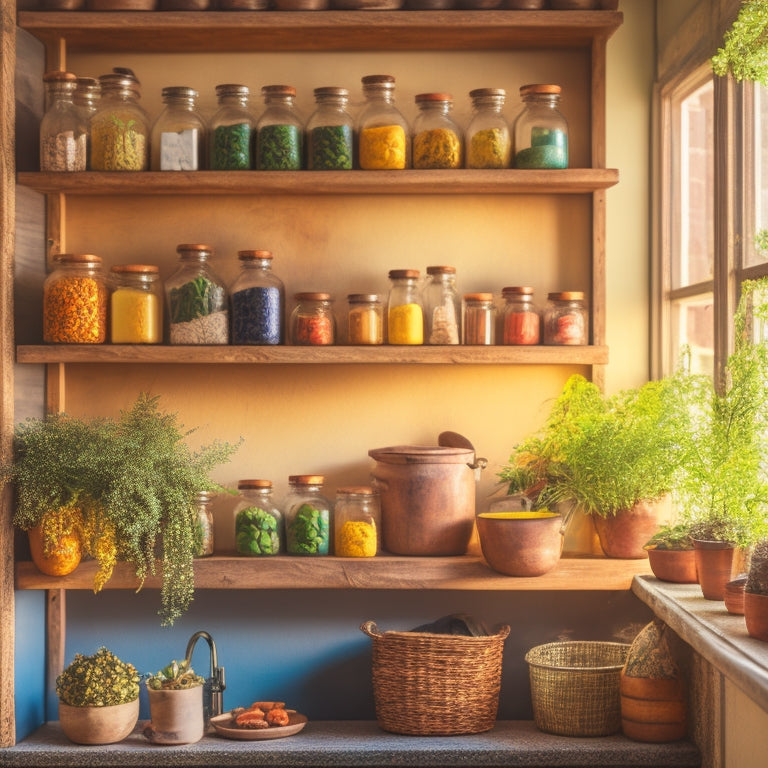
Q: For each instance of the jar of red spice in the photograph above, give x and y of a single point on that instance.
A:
(565, 318)
(312, 320)
(522, 321)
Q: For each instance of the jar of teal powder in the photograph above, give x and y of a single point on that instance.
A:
(541, 130)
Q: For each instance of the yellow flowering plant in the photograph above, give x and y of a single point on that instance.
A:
(100, 680)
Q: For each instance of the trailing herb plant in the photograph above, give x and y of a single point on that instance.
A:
(744, 53)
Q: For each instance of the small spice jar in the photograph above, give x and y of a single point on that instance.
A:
(308, 517)
(441, 306)
(136, 305)
(488, 140)
(405, 314)
(197, 299)
(204, 541)
(257, 299)
(279, 131)
(312, 320)
(120, 127)
(356, 522)
(437, 138)
(231, 130)
(178, 134)
(75, 298)
(479, 322)
(384, 137)
(63, 128)
(541, 130)
(565, 318)
(365, 320)
(258, 521)
(522, 320)
(330, 132)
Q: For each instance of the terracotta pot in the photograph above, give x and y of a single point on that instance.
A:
(714, 561)
(676, 565)
(176, 716)
(521, 543)
(756, 615)
(653, 709)
(625, 534)
(734, 595)
(98, 725)
(63, 559)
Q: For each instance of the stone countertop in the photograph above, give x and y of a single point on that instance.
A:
(718, 636)
(358, 743)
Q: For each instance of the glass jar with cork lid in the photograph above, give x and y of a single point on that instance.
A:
(356, 522)
(565, 318)
(136, 304)
(541, 130)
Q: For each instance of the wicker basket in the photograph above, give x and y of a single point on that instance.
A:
(575, 687)
(426, 684)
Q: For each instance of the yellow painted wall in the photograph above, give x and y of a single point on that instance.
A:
(746, 730)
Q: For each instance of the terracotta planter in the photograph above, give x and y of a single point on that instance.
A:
(734, 595)
(653, 709)
(625, 534)
(756, 615)
(714, 562)
(98, 725)
(676, 565)
(176, 717)
(64, 558)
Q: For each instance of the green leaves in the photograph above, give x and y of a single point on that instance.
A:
(744, 53)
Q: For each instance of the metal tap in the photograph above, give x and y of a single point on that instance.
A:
(213, 689)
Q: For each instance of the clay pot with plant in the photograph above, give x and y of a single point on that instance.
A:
(175, 705)
(756, 593)
(671, 554)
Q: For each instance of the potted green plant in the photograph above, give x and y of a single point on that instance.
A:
(98, 698)
(175, 705)
(671, 554)
(756, 593)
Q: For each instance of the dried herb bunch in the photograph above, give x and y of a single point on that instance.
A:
(757, 576)
(176, 676)
(100, 680)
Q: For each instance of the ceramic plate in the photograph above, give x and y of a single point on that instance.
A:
(222, 725)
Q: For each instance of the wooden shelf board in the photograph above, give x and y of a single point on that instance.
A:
(330, 355)
(411, 182)
(212, 31)
(467, 572)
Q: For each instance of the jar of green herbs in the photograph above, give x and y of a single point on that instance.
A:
(258, 522)
(308, 516)
(231, 130)
(330, 132)
(279, 131)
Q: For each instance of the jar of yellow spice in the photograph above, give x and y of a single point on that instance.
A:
(488, 139)
(384, 138)
(356, 522)
(136, 304)
(405, 314)
(437, 138)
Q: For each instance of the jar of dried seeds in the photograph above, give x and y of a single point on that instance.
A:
(63, 129)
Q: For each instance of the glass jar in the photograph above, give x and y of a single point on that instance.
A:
(258, 521)
(522, 320)
(75, 298)
(356, 522)
(384, 137)
(441, 306)
(87, 95)
(312, 320)
(279, 131)
(196, 299)
(565, 318)
(231, 130)
(136, 305)
(437, 138)
(405, 315)
(204, 540)
(479, 323)
(307, 517)
(63, 129)
(365, 321)
(120, 126)
(178, 134)
(330, 132)
(541, 131)
(487, 138)
(257, 298)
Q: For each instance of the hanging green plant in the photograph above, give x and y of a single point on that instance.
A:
(744, 53)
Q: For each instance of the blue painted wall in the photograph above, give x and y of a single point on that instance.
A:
(29, 661)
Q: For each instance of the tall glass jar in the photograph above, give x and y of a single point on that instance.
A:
(330, 132)
(384, 137)
(308, 517)
(312, 320)
(437, 138)
(356, 522)
(541, 130)
(488, 140)
(258, 521)
(405, 315)
(63, 129)
(136, 305)
(178, 134)
(565, 318)
(120, 126)
(231, 130)
(365, 321)
(522, 320)
(441, 306)
(204, 534)
(87, 95)
(197, 299)
(257, 298)
(75, 298)
(279, 131)
(479, 322)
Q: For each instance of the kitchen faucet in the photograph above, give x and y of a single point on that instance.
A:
(213, 689)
